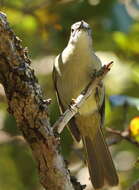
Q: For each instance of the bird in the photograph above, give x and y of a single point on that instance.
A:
(72, 71)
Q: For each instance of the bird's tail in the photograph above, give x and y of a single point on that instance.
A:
(100, 164)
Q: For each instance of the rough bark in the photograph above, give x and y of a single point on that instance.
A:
(26, 104)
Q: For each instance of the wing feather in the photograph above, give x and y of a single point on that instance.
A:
(72, 123)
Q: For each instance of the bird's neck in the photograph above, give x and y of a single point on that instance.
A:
(82, 44)
(80, 50)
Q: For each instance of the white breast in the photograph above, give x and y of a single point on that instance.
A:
(75, 74)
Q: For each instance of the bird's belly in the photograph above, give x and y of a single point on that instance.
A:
(72, 88)
(89, 106)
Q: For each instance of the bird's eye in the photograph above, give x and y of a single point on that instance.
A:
(72, 30)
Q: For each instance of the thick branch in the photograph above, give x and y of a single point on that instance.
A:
(27, 105)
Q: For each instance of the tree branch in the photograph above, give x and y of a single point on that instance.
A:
(124, 135)
(26, 104)
(77, 103)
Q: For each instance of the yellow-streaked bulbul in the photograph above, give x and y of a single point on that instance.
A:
(72, 72)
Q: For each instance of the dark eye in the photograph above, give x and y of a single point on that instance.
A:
(72, 30)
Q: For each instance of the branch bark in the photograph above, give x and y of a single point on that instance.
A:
(26, 104)
(123, 135)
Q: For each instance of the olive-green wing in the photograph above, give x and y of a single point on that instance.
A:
(101, 108)
(72, 124)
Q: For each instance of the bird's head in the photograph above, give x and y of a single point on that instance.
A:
(81, 33)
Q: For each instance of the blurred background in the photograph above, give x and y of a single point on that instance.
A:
(44, 27)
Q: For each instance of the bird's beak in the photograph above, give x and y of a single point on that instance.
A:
(81, 26)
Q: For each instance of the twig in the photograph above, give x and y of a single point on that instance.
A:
(74, 107)
(124, 135)
(113, 139)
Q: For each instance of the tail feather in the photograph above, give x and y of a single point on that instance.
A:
(95, 169)
(100, 164)
(107, 162)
